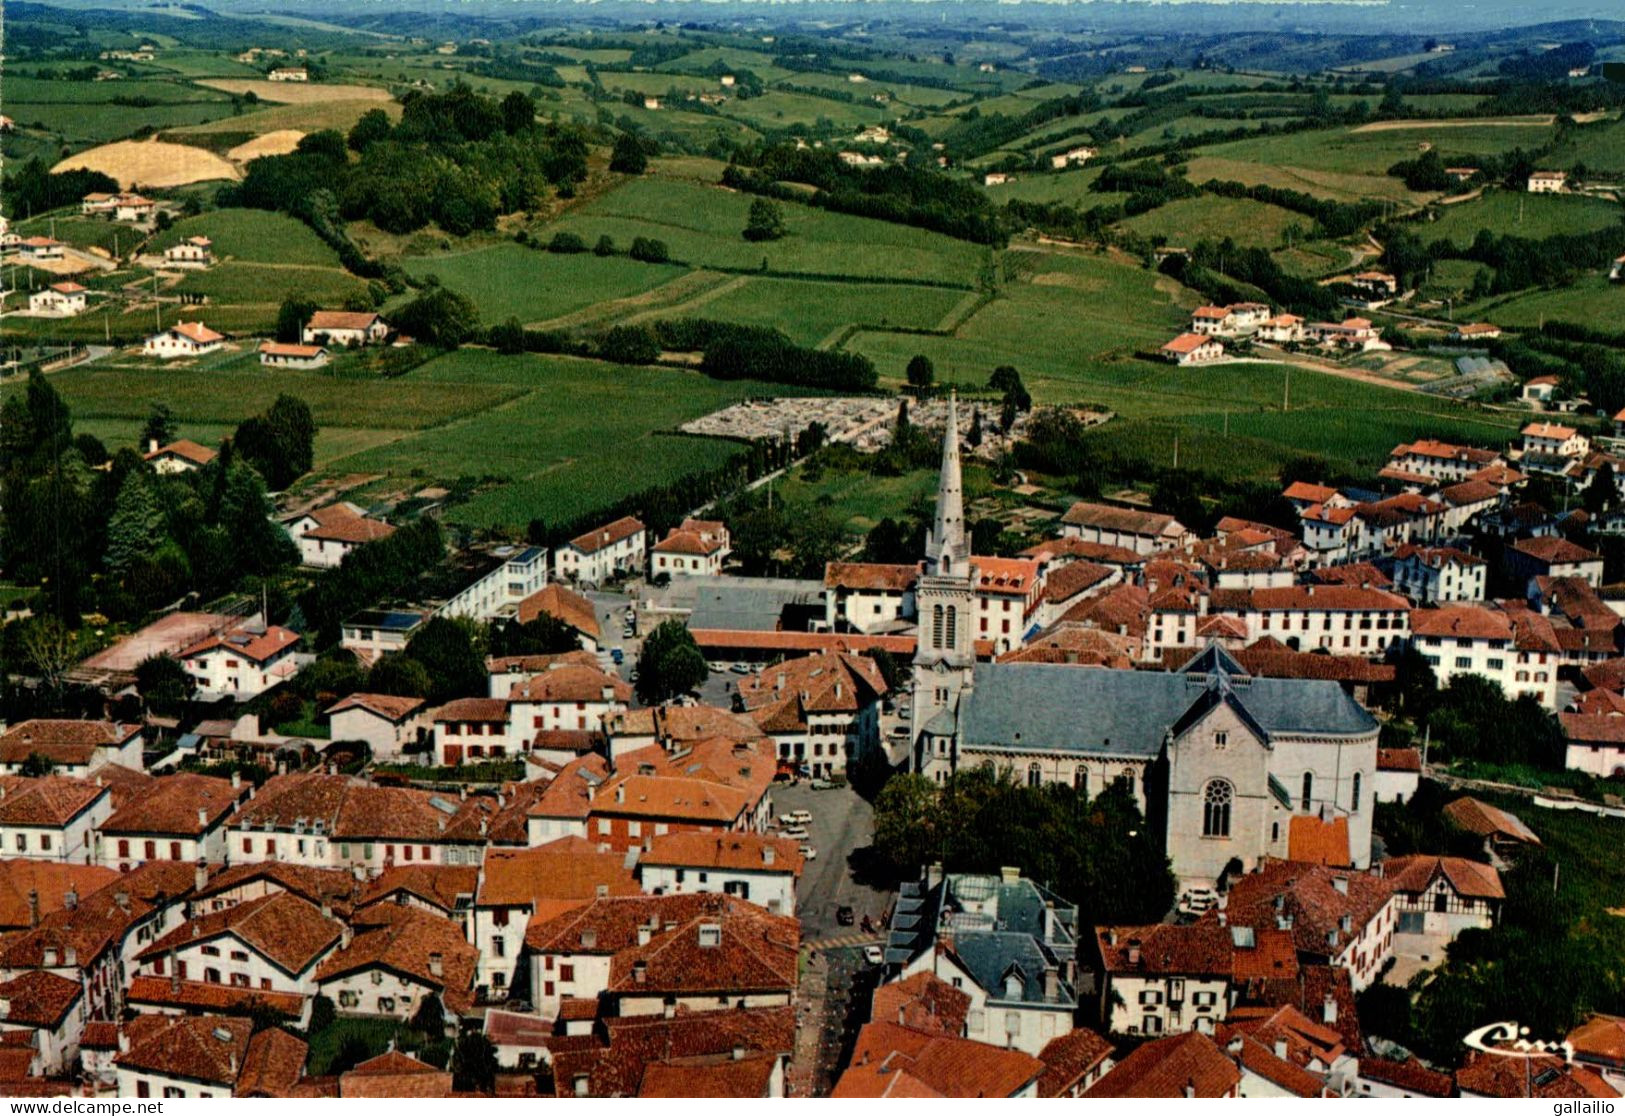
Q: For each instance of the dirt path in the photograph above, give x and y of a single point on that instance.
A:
(1363, 375)
(1502, 122)
(671, 293)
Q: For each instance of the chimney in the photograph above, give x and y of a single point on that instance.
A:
(620, 792)
(1134, 951)
(1224, 919)
(1111, 937)
(174, 976)
(33, 907)
(200, 876)
(640, 972)
(70, 898)
(933, 874)
(5, 1008)
(1052, 982)
(122, 898)
(123, 1042)
(437, 967)
(1328, 1009)
(1280, 1049)
(236, 780)
(346, 936)
(281, 767)
(1009, 875)
(739, 1053)
(1340, 884)
(233, 1065)
(643, 935)
(202, 818)
(70, 957)
(152, 445)
(767, 854)
(327, 908)
(1190, 1087)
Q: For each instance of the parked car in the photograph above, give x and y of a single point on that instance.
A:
(809, 853)
(740, 668)
(788, 819)
(845, 916)
(795, 833)
(799, 817)
(874, 955)
(1198, 900)
(617, 656)
(821, 784)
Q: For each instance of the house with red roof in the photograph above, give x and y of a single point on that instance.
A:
(1340, 619)
(1336, 916)
(59, 300)
(694, 548)
(181, 456)
(1599, 1045)
(1163, 978)
(1553, 556)
(567, 607)
(280, 354)
(1518, 650)
(193, 253)
(38, 248)
(74, 747)
(696, 1054)
(392, 957)
(1438, 897)
(183, 339)
(344, 327)
(601, 554)
(1439, 574)
(1555, 440)
(386, 723)
(1144, 532)
(868, 596)
(1399, 772)
(758, 868)
(326, 536)
(180, 817)
(53, 817)
(273, 944)
(242, 662)
(893, 1061)
(47, 1012)
(1185, 1065)
(1193, 348)
(821, 710)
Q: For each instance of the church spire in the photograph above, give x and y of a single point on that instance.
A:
(946, 544)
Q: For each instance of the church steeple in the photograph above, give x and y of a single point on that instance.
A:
(945, 547)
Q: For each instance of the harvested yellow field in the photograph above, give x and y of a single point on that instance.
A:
(151, 163)
(1472, 122)
(295, 118)
(297, 92)
(271, 143)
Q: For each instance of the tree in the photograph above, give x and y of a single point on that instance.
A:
(545, 635)
(373, 126)
(669, 664)
(1601, 492)
(646, 249)
(455, 667)
(507, 338)
(566, 242)
(440, 316)
(322, 1014)
(136, 526)
(254, 542)
(291, 317)
(159, 429)
(605, 246)
(628, 155)
(518, 113)
(905, 821)
(430, 1017)
(48, 649)
(36, 766)
(629, 344)
(474, 1063)
(281, 443)
(920, 373)
(766, 220)
(399, 675)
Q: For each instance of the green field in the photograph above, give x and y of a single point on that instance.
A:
(1374, 148)
(510, 281)
(266, 285)
(79, 125)
(83, 232)
(702, 226)
(812, 312)
(1249, 223)
(575, 436)
(1530, 216)
(1593, 301)
(253, 235)
(1322, 183)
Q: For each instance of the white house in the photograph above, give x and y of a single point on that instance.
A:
(180, 456)
(697, 548)
(182, 1058)
(59, 300)
(385, 722)
(1555, 439)
(326, 536)
(274, 943)
(1144, 532)
(506, 577)
(289, 73)
(1470, 639)
(759, 869)
(183, 339)
(1071, 157)
(1437, 897)
(372, 633)
(1193, 348)
(74, 748)
(39, 248)
(243, 662)
(601, 553)
(1439, 574)
(50, 1010)
(53, 818)
(1281, 329)
(1547, 182)
(868, 596)
(193, 252)
(1341, 619)
(1165, 979)
(276, 354)
(399, 956)
(133, 207)
(344, 327)
(180, 817)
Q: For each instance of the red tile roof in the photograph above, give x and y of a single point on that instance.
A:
(570, 683)
(191, 997)
(344, 523)
(1399, 759)
(395, 1075)
(187, 450)
(1412, 875)
(410, 942)
(1554, 549)
(724, 1076)
(892, 1061)
(553, 878)
(1178, 1066)
(802, 642)
(287, 930)
(388, 706)
(1125, 520)
(273, 1065)
(25, 881)
(1461, 621)
(1410, 1075)
(1198, 949)
(256, 646)
(38, 999)
(1314, 898)
(1188, 343)
(1312, 841)
(185, 804)
(341, 319)
(687, 542)
(922, 1002)
(564, 605)
(743, 852)
(70, 743)
(196, 331)
(52, 801)
(1601, 1038)
(1490, 1075)
(203, 1048)
(870, 576)
(1069, 1059)
(616, 1056)
(283, 349)
(443, 886)
(611, 533)
(1488, 821)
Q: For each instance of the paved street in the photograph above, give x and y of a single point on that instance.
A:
(841, 822)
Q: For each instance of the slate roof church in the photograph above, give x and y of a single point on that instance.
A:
(1220, 761)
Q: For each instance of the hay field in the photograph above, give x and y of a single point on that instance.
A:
(152, 163)
(297, 92)
(280, 142)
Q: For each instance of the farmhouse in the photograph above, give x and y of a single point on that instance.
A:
(183, 339)
(1440, 896)
(1375, 286)
(1540, 389)
(1072, 157)
(278, 354)
(1554, 439)
(242, 663)
(1547, 182)
(59, 300)
(133, 207)
(1476, 331)
(344, 327)
(36, 248)
(193, 252)
(997, 178)
(326, 536)
(1428, 460)
(289, 73)
(602, 553)
(1193, 348)
(1281, 329)
(177, 457)
(1350, 333)
(697, 548)
(1144, 532)
(387, 723)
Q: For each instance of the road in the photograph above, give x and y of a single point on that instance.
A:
(842, 822)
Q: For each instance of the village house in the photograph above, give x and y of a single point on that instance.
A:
(1144, 532)
(890, 1060)
(193, 252)
(271, 944)
(602, 554)
(520, 885)
(1355, 334)
(59, 300)
(498, 581)
(567, 697)
(1470, 639)
(868, 596)
(1438, 897)
(349, 328)
(289, 73)
(697, 548)
(1599, 1045)
(761, 870)
(181, 817)
(372, 633)
(1399, 773)
(1438, 574)
(184, 1057)
(1188, 1065)
(1281, 329)
(1193, 348)
(1553, 557)
(1547, 182)
(653, 955)
(1547, 1078)
(46, 1012)
(387, 724)
(395, 957)
(822, 711)
(1335, 916)
(740, 1054)
(1554, 439)
(243, 662)
(180, 456)
(1375, 288)
(183, 339)
(1003, 940)
(326, 536)
(277, 354)
(38, 249)
(717, 786)
(1343, 619)
(52, 818)
(74, 748)
(1007, 593)
(1427, 461)
(1164, 979)
(1071, 157)
(1475, 331)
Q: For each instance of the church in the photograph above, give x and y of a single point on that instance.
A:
(1229, 768)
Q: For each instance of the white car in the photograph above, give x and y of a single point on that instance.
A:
(795, 834)
(1198, 900)
(874, 955)
(798, 817)
(809, 853)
